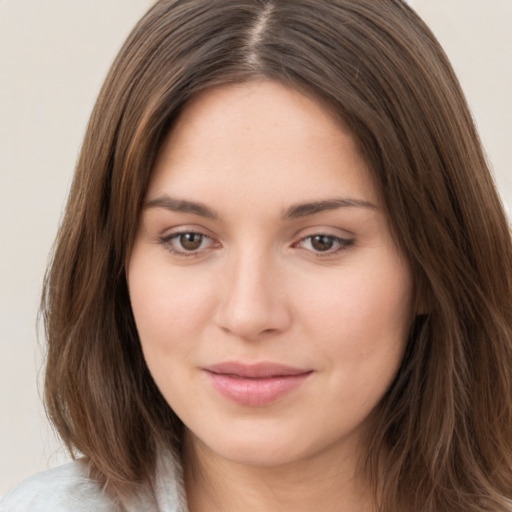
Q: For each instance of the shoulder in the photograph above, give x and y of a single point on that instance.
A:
(66, 488)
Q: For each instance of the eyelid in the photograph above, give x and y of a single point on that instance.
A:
(344, 243)
(340, 241)
(167, 239)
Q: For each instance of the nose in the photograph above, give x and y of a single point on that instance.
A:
(253, 301)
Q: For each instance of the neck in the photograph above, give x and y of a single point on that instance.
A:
(329, 481)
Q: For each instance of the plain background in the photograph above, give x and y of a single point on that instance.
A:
(54, 55)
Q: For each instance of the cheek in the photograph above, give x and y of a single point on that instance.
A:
(361, 333)
(167, 306)
(361, 316)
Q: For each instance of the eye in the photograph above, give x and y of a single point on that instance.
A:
(187, 243)
(190, 241)
(327, 244)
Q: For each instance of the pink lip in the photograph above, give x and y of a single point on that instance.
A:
(255, 384)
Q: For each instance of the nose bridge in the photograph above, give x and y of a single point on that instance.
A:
(252, 303)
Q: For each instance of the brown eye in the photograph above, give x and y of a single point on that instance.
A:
(191, 241)
(322, 242)
(325, 245)
(189, 244)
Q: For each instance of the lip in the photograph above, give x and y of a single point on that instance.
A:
(255, 384)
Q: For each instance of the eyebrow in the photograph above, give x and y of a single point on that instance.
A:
(181, 205)
(293, 212)
(305, 209)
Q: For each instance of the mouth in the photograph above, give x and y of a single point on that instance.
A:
(255, 384)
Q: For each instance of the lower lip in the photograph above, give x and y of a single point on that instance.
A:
(256, 391)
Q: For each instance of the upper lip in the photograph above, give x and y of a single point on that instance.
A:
(256, 370)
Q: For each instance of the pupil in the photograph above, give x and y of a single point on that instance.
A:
(191, 241)
(322, 242)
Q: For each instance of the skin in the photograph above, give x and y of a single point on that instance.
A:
(254, 285)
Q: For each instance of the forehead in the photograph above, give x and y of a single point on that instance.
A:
(263, 138)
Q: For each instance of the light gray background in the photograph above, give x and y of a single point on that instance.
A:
(54, 55)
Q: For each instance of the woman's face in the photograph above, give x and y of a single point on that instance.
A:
(272, 304)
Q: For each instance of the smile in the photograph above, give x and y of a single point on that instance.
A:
(255, 385)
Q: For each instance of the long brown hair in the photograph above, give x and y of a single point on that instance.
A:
(444, 428)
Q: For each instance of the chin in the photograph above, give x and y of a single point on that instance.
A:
(271, 445)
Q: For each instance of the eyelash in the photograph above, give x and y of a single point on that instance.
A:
(343, 244)
(167, 242)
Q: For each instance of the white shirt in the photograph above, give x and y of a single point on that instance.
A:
(67, 488)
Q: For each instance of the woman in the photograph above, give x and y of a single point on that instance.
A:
(283, 279)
